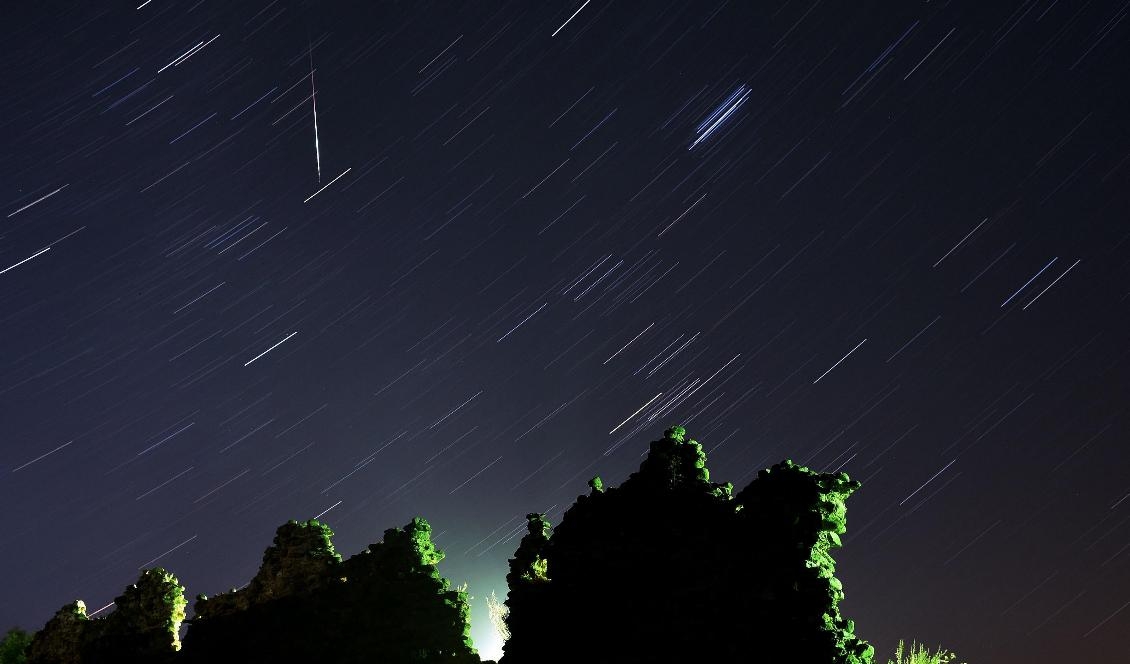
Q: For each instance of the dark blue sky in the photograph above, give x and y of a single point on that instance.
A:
(888, 238)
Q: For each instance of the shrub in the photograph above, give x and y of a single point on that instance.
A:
(13, 647)
(920, 655)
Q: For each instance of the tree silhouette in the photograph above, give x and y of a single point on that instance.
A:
(666, 567)
(143, 628)
(388, 603)
(672, 567)
(13, 647)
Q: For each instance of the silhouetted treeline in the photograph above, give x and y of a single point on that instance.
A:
(386, 604)
(670, 567)
(667, 567)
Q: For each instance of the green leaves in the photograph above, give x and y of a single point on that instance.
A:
(920, 655)
(13, 648)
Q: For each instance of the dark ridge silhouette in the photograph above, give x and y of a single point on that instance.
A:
(670, 567)
(387, 604)
(143, 628)
(667, 567)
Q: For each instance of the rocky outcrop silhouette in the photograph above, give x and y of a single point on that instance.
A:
(61, 639)
(385, 604)
(669, 567)
(143, 628)
(300, 561)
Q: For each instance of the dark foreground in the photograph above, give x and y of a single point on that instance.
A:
(667, 567)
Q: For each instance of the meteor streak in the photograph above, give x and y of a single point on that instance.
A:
(314, 99)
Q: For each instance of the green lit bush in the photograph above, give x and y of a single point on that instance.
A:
(918, 654)
(13, 648)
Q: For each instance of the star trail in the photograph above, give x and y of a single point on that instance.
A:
(515, 241)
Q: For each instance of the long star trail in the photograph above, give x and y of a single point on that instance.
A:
(477, 473)
(150, 110)
(838, 362)
(166, 438)
(630, 341)
(325, 186)
(284, 339)
(166, 482)
(96, 612)
(571, 17)
(1054, 281)
(911, 340)
(637, 412)
(708, 126)
(522, 322)
(222, 485)
(153, 560)
(326, 511)
(38, 200)
(1030, 280)
(188, 54)
(932, 478)
(960, 242)
(41, 456)
(454, 410)
(15, 265)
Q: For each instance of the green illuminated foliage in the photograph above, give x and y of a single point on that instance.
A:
(539, 570)
(63, 638)
(143, 627)
(920, 655)
(528, 565)
(13, 648)
(146, 619)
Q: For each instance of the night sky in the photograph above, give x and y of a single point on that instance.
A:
(370, 260)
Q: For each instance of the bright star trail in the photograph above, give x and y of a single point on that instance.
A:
(719, 115)
(884, 238)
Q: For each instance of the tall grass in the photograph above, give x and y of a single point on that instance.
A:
(920, 655)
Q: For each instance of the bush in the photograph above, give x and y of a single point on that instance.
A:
(13, 648)
(919, 655)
